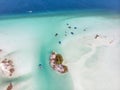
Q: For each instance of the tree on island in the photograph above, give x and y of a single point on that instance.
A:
(59, 59)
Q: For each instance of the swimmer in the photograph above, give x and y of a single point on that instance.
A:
(75, 27)
(72, 33)
(59, 42)
(56, 34)
(40, 65)
(69, 27)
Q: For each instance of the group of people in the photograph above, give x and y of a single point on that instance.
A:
(7, 67)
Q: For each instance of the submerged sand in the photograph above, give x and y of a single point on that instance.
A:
(93, 62)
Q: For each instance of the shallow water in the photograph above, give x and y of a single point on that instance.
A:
(33, 39)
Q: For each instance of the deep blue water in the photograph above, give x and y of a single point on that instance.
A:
(23, 6)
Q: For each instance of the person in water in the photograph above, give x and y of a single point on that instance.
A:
(40, 65)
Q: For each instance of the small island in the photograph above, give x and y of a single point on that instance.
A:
(56, 61)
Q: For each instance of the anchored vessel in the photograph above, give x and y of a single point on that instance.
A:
(56, 61)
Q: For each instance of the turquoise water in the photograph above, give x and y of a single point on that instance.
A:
(41, 30)
(37, 35)
(51, 79)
